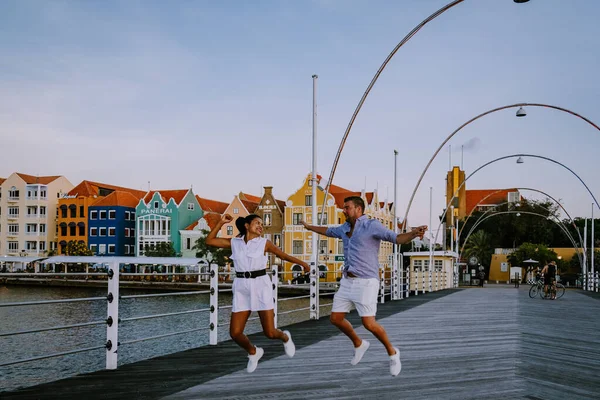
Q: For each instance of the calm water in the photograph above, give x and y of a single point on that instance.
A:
(50, 315)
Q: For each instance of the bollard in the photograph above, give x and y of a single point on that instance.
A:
(214, 303)
(112, 317)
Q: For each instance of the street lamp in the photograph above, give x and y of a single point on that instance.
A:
(520, 1)
(521, 112)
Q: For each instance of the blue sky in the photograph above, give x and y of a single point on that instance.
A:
(218, 95)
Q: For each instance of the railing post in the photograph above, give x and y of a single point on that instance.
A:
(382, 284)
(275, 281)
(395, 280)
(112, 319)
(314, 291)
(214, 303)
(423, 277)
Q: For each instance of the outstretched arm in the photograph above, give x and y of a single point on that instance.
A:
(402, 238)
(213, 240)
(321, 230)
(271, 248)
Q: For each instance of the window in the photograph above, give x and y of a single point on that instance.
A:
(111, 231)
(191, 206)
(425, 265)
(277, 240)
(111, 249)
(308, 200)
(156, 204)
(513, 197)
(13, 246)
(126, 215)
(437, 265)
(340, 247)
(297, 217)
(93, 231)
(321, 218)
(102, 214)
(13, 228)
(93, 214)
(126, 249)
(30, 245)
(322, 246)
(42, 246)
(297, 247)
(43, 193)
(63, 213)
(236, 210)
(72, 231)
(417, 265)
(13, 212)
(112, 214)
(31, 228)
(42, 228)
(230, 230)
(94, 248)
(13, 193)
(267, 219)
(81, 212)
(188, 243)
(82, 231)
(42, 211)
(102, 249)
(102, 232)
(126, 232)
(73, 211)
(63, 231)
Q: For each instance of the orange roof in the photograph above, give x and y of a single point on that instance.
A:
(44, 180)
(337, 189)
(281, 204)
(250, 205)
(211, 219)
(167, 195)
(117, 198)
(249, 197)
(212, 205)
(89, 189)
(476, 198)
(2, 180)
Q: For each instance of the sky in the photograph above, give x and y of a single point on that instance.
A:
(218, 95)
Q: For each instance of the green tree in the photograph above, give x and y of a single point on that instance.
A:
(75, 248)
(480, 246)
(219, 256)
(162, 249)
(537, 252)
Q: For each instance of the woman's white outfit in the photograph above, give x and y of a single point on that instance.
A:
(254, 294)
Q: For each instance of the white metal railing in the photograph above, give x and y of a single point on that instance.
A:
(393, 287)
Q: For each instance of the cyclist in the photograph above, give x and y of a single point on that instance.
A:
(549, 273)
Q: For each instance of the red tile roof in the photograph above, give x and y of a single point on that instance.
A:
(281, 204)
(44, 180)
(249, 197)
(475, 198)
(90, 188)
(2, 180)
(250, 205)
(118, 198)
(212, 205)
(167, 195)
(211, 219)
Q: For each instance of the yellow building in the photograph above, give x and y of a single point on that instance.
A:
(298, 241)
(500, 268)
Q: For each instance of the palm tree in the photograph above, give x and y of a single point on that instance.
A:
(480, 246)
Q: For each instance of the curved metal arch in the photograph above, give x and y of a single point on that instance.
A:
(565, 231)
(503, 158)
(475, 119)
(535, 190)
(371, 84)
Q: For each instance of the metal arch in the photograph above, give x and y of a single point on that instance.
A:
(366, 93)
(475, 119)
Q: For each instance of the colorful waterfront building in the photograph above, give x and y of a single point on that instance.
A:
(213, 210)
(75, 219)
(298, 241)
(272, 212)
(242, 205)
(28, 207)
(162, 214)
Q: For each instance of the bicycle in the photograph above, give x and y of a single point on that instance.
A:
(538, 288)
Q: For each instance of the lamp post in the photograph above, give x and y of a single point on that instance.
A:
(520, 113)
(314, 276)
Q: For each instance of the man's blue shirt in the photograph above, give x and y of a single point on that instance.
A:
(361, 251)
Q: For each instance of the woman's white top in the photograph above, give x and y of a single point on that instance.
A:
(248, 256)
(251, 294)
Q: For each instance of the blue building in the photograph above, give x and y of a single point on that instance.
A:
(111, 222)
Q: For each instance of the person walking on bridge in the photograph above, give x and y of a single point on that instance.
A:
(252, 287)
(359, 286)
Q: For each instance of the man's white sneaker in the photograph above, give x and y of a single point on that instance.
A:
(395, 363)
(359, 352)
(289, 346)
(253, 359)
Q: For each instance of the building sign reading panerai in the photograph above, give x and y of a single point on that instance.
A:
(157, 211)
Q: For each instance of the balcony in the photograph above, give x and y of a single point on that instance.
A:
(32, 233)
(12, 216)
(13, 198)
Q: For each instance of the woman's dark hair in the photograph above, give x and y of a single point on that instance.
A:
(241, 222)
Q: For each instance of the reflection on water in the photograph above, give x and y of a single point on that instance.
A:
(50, 315)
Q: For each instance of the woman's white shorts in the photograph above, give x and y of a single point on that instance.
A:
(358, 292)
(252, 294)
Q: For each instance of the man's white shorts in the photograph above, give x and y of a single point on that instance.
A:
(358, 292)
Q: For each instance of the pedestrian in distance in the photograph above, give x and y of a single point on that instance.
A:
(359, 286)
(251, 287)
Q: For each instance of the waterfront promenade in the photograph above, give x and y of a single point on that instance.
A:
(478, 343)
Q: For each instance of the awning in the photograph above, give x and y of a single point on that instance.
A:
(81, 224)
(72, 206)
(63, 206)
(72, 224)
